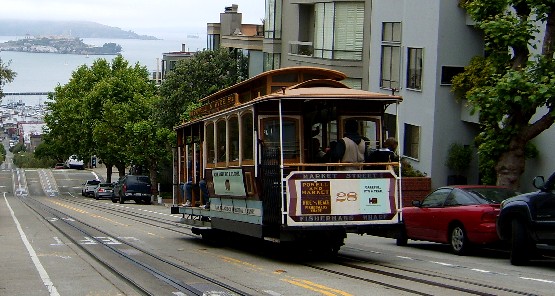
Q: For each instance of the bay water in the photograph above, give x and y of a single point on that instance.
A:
(42, 72)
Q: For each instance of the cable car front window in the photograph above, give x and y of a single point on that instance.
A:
(270, 137)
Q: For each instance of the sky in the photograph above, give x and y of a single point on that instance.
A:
(161, 18)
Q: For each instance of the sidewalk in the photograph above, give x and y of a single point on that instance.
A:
(100, 170)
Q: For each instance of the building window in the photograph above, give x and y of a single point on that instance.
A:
(272, 22)
(213, 41)
(272, 61)
(414, 68)
(390, 74)
(448, 72)
(338, 30)
(355, 83)
(411, 147)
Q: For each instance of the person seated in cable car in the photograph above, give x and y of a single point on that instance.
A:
(385, 154)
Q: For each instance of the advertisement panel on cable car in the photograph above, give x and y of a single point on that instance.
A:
(340, 197)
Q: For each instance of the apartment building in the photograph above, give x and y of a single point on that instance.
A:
(245, 39)
(412, 48)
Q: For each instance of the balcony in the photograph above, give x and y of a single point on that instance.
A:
(306, 49)
(301, 48)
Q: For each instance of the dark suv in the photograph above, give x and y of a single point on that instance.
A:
(528, 219)
(135, 187)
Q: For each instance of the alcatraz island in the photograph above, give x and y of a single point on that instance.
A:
(59, 44)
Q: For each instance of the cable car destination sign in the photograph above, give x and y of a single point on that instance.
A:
(316, 198)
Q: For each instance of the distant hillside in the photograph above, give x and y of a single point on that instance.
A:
(66, 28)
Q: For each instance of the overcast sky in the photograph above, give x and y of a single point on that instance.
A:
(161, 18)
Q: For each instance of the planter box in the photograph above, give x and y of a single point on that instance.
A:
(415, 188)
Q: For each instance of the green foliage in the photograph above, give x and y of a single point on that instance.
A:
(510, 86)
(195, 78)
(87, 116)
(459, 157)
(2, 153)
(6, 75)
(19, 147)
(407, 170)
(27, 160)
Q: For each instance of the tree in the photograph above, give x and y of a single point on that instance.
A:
(150, 145)
(513, 85)
(87, 116)
(6, 75)
(193, 79)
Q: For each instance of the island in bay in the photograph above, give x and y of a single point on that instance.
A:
(59, 44)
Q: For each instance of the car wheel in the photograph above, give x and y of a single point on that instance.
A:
(402, 238)
(459, 240)
(520, 243)
(96, 197)
(114, 200)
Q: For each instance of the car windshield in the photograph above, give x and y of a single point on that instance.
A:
(105, 185)
(491, 195)
(93, 182)
(143, 179)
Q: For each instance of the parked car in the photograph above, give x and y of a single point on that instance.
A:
(461, 215)
(88, 187)
(73, 162)
(103, 190)
(132, 187)
(528, 220)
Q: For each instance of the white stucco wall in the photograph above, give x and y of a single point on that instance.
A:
(439, 28)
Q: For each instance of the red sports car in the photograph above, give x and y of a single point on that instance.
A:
(461, 216)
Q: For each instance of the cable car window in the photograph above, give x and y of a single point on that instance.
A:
(221, 154)
(246, 137)
(233, 124)
(189, 162)
(369, 129)
(270, 137)
(210, 153)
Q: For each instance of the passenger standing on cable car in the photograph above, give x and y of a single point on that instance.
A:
(351, 147)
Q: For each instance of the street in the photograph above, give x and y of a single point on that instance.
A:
(57, 242)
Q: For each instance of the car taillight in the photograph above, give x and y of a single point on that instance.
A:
(490, 216)
(100, 190)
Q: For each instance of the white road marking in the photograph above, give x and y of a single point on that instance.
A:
(444, 264)
(42, 272)
(403, 257)
(480, 270)
(58, 242)
(538, 280)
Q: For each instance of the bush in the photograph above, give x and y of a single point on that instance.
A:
(408, 171)
(459, 158)
(28, 160)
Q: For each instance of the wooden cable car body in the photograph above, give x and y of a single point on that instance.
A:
(254, 146)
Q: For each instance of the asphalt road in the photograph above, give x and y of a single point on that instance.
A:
(41, 255)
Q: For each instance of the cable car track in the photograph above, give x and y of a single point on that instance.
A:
(457, 285)
(134, 216)
(129, 262)
(413, 276)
